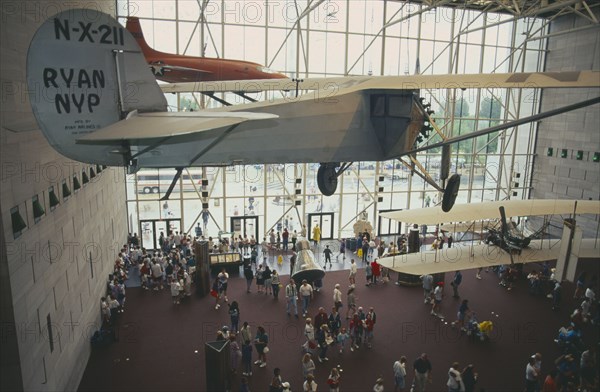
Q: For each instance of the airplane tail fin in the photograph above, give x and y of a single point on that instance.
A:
(87, 72)
(135, 28)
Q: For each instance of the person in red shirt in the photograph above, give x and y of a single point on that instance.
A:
(376, 271)
(550, 382)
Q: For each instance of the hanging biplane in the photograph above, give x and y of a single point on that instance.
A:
(510, 248)
(172, 68)
(96, 101)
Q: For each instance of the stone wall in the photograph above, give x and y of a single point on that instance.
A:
(556, 177)
(53, 272)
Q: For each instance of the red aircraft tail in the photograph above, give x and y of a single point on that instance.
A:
(134, 27)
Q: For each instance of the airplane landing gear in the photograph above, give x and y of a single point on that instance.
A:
(327, 178)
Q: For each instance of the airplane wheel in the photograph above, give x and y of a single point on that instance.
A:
(327, 180)
(450, 192)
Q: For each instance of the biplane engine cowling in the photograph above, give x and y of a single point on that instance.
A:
(306, 266)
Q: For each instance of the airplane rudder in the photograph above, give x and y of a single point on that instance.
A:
(135, 28)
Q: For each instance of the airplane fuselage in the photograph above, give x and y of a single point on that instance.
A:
(173, 68)
(176, 68)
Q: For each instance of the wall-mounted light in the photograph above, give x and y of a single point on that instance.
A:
(18, 224)
(38, 209)
(76, 184)
(53, 198)
(66, 192)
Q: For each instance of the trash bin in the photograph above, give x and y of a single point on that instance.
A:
(351, 244)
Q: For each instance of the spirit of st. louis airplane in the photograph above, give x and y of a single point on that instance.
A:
(97, 101)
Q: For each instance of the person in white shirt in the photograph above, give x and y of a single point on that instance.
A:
(438, 294)
(455, 383)
(337, 297)
(157, 273)
(353, 270)
(223, 278)
(400, 374)
(309, 333)
(378, 387)
(306, 293)
(309, 385)
(589, 294)
(175, 291)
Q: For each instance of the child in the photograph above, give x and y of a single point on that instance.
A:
(369, 272)
(378, 387)
(385, 275)
(175, 288)
(341, 339)
(144, 271)
(244, 387)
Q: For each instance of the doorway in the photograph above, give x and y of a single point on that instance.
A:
(388, 227)
(244, 226)
(325, 222)
(151, 229)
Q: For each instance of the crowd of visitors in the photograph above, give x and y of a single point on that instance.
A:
(333, 332)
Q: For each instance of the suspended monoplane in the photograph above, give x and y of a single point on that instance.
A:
(96, 101)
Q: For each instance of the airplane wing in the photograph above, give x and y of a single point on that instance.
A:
(160, 125)
(474, 226)
(466, 256)
(409, 82)
(489, 210)
(166, 72)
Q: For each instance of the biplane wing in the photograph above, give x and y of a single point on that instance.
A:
(458, 227)
(489, 210)
(463, 256)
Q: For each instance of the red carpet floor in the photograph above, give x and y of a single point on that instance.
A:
(161, 346)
